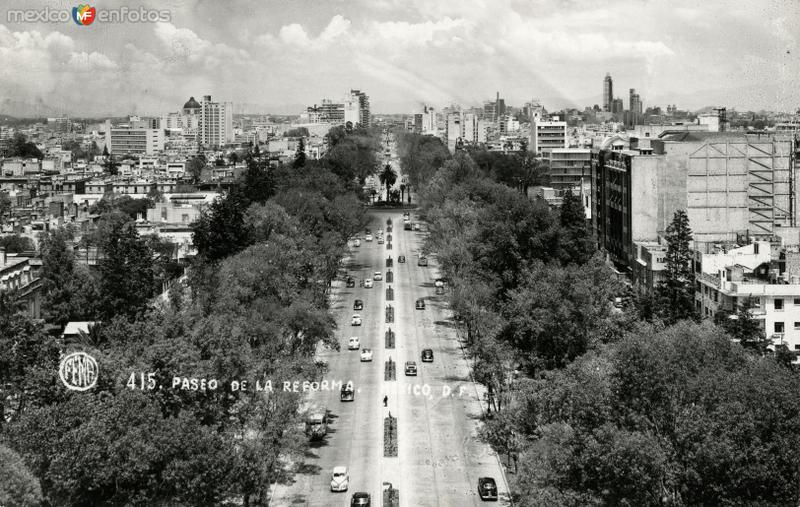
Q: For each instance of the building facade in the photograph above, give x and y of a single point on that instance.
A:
(608, 94)
(135, 141)
(216, 122)
(568, 167)
(547, 135)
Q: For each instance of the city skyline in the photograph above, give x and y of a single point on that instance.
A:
(404, 54)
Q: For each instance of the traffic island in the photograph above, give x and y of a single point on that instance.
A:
(390, 370)
(390, 437)
(391, 497)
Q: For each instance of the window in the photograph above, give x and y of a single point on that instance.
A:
(779, 327)
(779, 304)
(797, 301)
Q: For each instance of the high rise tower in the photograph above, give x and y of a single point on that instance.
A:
(608, 93)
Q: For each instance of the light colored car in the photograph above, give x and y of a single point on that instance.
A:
(416, 226)
(380, 240)
(353, 343)
(356, 320)
(411, 368)
(368, 283)
(378, 276)
(357, 242)
(340, 479)
(366, 355)
(368, 237)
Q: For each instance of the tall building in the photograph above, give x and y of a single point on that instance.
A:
(547, 134)
(727, 183)
(454, 129)
(216, 122)
(135, 141)
(568, 167)
(608, 93)
(362, 100)
(617, 106)
(429, 121)
(635, 102)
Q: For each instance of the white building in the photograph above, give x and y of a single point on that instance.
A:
(548, 134)
(139, 141)
(216, 122)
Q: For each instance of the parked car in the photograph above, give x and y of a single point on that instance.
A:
(423, 261)
(427, 355)
(416, 226)
(358, 305)
(401, 259)
(487, 488)
(351, 282)
(357, 242)
(347, 393)
(407, 226)
(411, 369)
(353, 343)
(439, 282)
(420, 304)
(368, 237)
(356, 320)
(380, 240)
(366, 355)
(368, 283)
(340, 479)
(378, 276)
(360, 499)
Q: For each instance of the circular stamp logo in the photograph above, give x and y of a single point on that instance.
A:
(78, 371)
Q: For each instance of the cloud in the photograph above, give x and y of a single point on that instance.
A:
(294, 37)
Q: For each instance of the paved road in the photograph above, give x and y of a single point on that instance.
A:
(440, 458)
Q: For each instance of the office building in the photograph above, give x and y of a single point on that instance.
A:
(727, 183)
(356, 108)
(547, 134)
(568, 167)
(617, 106)
(216, 123)
(134, 141)
(608, 94)
(453, 130)
(429, 121)
(635, 102)
(329, 112)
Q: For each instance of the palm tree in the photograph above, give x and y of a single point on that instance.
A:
(387, 177)
(402, 192)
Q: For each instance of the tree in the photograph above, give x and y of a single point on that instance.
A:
(19, 486)
(576, 244)
(300, 155)
(675, 292)
(126, 269)
(16, 243)
(21, 147)
(743, 327)
(221, 231)
(402, 192)
(105, 151)
(194, 168)
(111, 166)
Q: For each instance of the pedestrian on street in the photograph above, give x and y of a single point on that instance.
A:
(385, 401)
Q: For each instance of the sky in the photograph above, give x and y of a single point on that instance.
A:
(282, 55)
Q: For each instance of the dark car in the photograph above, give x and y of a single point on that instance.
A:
(401, 259)
(487, 488)
(420, 304)
(347, 393)
(423, 261)
(358, 305)
(351, 282)
(360, 499)
(427, 355)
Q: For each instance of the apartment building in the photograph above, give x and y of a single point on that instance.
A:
(547, 135)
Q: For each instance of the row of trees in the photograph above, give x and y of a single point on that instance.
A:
(254, 309)
(598, 406)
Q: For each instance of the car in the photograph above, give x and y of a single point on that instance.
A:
(411, 369)
(378, 276)
(416, 226)
(439, 282)
(406, 216)
(368, 237)
(380, 240)
(351, 282)
(368, 283)
(401, 259)
(356, 320)
(407, 226)
(357, 242)
(360, 499)
(427, 355)
(423, 261)
(358, 305)
(353, 343)
(420, 304)
(366, 355)
(340, 479)
(379, 232)
(487, 488)
(347, 393)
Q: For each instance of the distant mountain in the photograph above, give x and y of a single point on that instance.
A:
(20, 109)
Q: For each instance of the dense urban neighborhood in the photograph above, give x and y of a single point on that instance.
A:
(530, 305)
